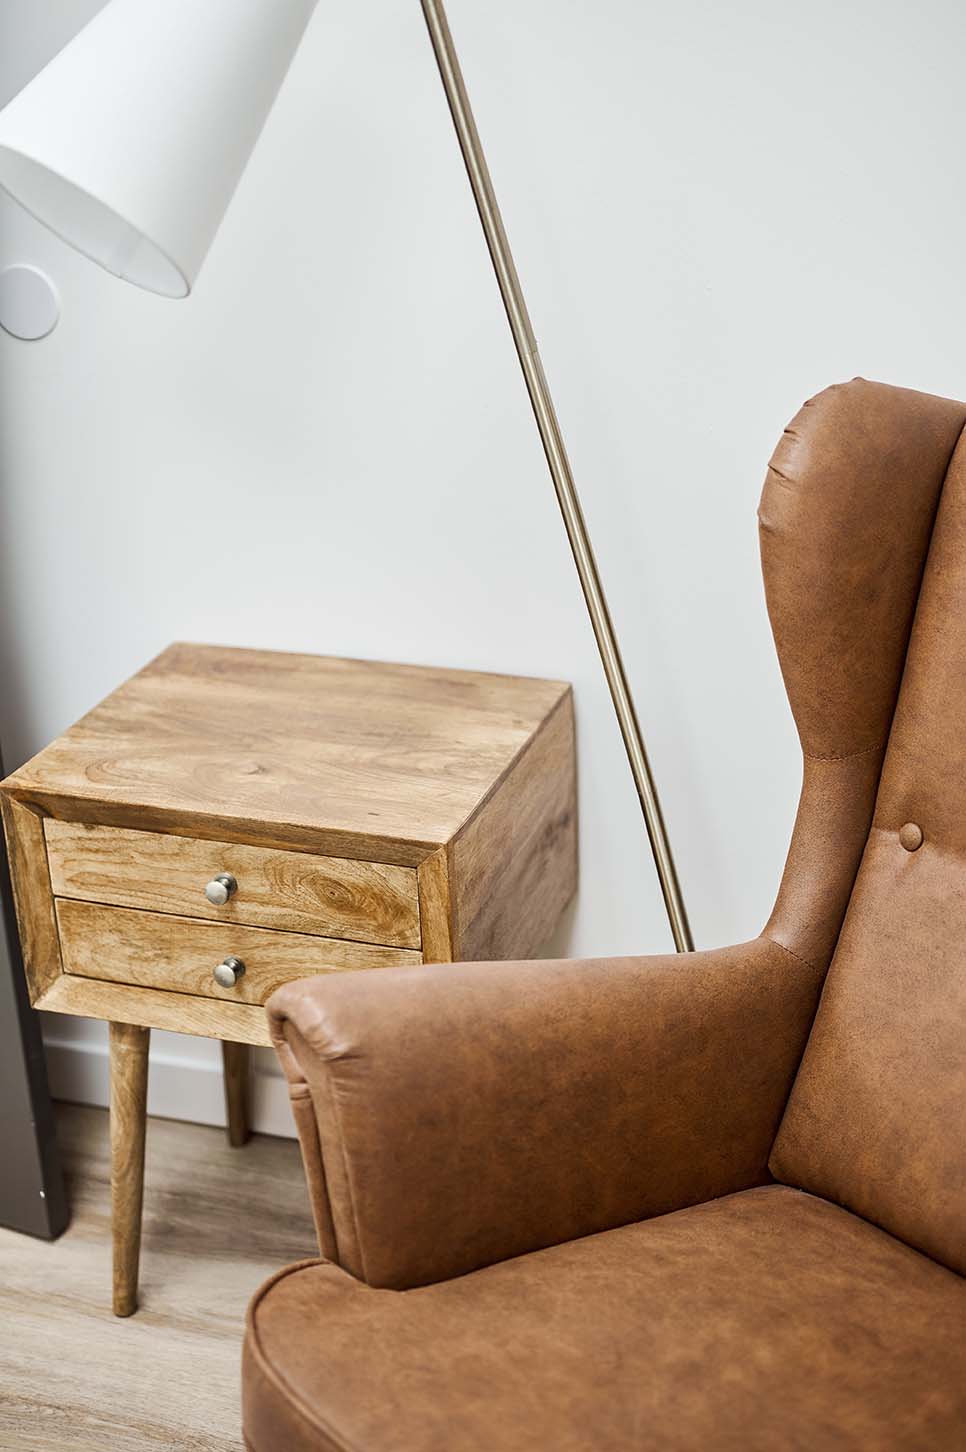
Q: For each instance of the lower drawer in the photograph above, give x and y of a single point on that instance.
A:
(180, 955)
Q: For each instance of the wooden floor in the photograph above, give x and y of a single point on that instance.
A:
(217, 1221)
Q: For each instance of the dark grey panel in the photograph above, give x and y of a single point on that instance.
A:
(32, 1197)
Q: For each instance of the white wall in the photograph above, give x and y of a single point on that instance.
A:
(716, 209)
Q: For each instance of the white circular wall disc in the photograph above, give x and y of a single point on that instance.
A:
(29, 305)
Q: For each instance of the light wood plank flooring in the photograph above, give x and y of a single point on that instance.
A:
(217, 1221)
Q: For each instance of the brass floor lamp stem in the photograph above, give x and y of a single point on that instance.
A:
(563, 481)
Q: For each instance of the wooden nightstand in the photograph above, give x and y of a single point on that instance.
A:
(228, 820)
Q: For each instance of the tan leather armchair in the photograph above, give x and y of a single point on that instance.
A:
(714, 1201)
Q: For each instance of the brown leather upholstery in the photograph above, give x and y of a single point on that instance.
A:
(877, 1120)
(488, 1146)
(845, 518)
(470, 1115)
(766, 1320)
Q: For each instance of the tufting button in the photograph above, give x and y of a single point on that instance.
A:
(910, 835)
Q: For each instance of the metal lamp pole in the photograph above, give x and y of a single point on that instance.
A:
(559, 465)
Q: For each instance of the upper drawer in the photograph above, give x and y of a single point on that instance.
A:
(365, 902)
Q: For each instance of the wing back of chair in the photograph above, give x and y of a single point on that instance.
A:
(864, 550)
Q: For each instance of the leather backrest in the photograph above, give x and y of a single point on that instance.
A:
(869, 503)
(845, 519)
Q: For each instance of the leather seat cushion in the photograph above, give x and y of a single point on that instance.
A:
(767, 1319)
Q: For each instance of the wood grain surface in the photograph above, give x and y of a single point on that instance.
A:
(347, 758)
(217, 1223)
(366, 902)
(129, 1098)
(178, 1012)
(24, 831)
(156, 950)
(401, 813)
(436, 908)
(514, 865)
(237, 1069)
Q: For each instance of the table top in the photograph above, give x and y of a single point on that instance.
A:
(364, 757)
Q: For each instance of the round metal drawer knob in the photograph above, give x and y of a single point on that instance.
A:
(220, 889)
(228, 973)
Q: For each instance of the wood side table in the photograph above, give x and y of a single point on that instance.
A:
(228, 820)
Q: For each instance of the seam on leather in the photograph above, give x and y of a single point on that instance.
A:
(305, 1091)
(843, 755)
(267, 1368)
(337, 1116)
(791, 952)
(278, 1033)
(280, 1275)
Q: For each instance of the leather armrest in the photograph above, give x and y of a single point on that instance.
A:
(457, 1115)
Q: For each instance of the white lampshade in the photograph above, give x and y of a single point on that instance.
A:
(130, 143)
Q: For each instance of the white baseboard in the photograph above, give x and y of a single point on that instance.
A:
(178, 1088)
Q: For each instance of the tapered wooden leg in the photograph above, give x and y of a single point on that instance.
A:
(129, 1106)
(236, 1062)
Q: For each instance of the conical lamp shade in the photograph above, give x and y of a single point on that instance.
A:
(130, 143)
